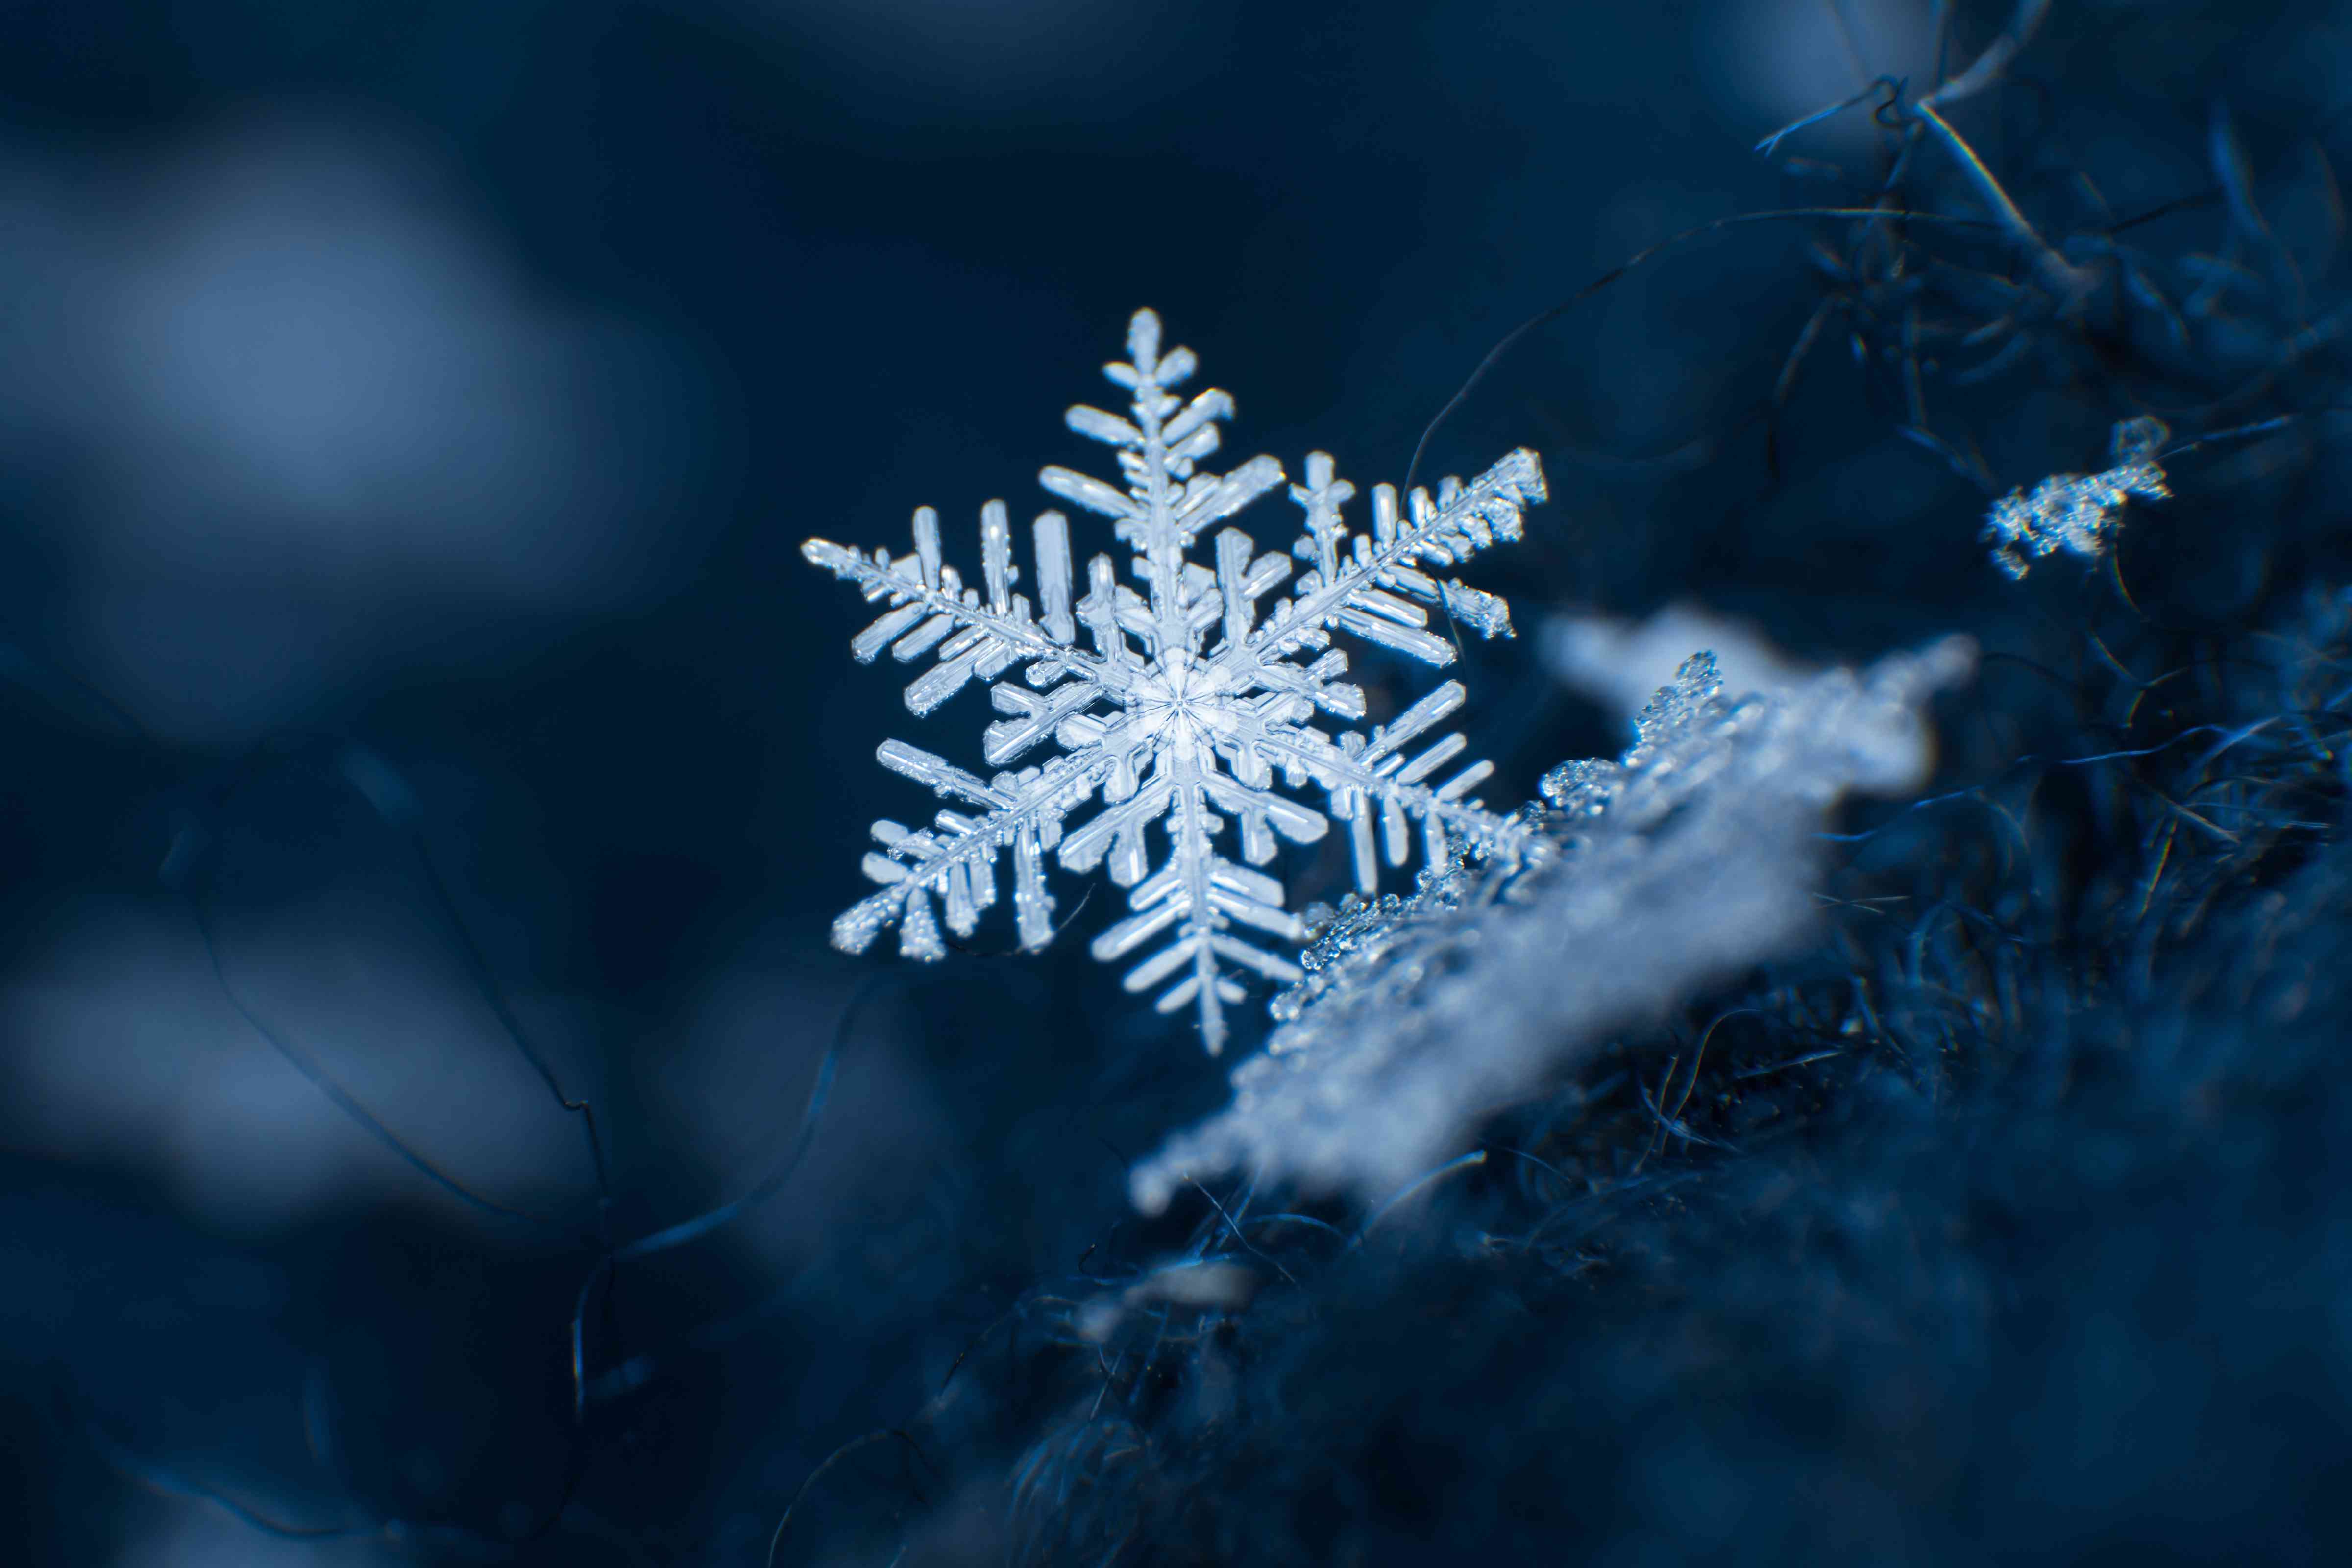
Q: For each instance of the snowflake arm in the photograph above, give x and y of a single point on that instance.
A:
(1170, 703)
(955, 859)
(1382, 792)
(1198, 893)
(932, 609)
(1354, 583)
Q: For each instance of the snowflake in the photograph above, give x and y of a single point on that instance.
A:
(2078, 512)
(1180, 702)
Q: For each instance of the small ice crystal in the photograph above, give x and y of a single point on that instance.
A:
(2078, 512)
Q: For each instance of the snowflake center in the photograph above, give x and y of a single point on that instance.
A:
(1180, 707)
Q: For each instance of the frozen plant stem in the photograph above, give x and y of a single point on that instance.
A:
(2070, 283)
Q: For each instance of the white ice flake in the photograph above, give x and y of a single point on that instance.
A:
(1690, 858)
(2079, 512)
(1170, 698)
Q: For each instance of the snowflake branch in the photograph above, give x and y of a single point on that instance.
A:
(1375, 781)
(1351, 592)
(933, 608)
(1199, 892)
(956, 861)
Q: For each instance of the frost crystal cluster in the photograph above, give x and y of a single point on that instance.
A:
(1692, 856)
(1169, 696)
(2078, 512)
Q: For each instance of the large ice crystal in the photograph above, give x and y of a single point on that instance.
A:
(1170, 698)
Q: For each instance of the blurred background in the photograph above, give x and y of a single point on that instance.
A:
(409, 416)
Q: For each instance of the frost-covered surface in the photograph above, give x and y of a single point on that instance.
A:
(1181, 701)
(2078, 512)
(1693, 854)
